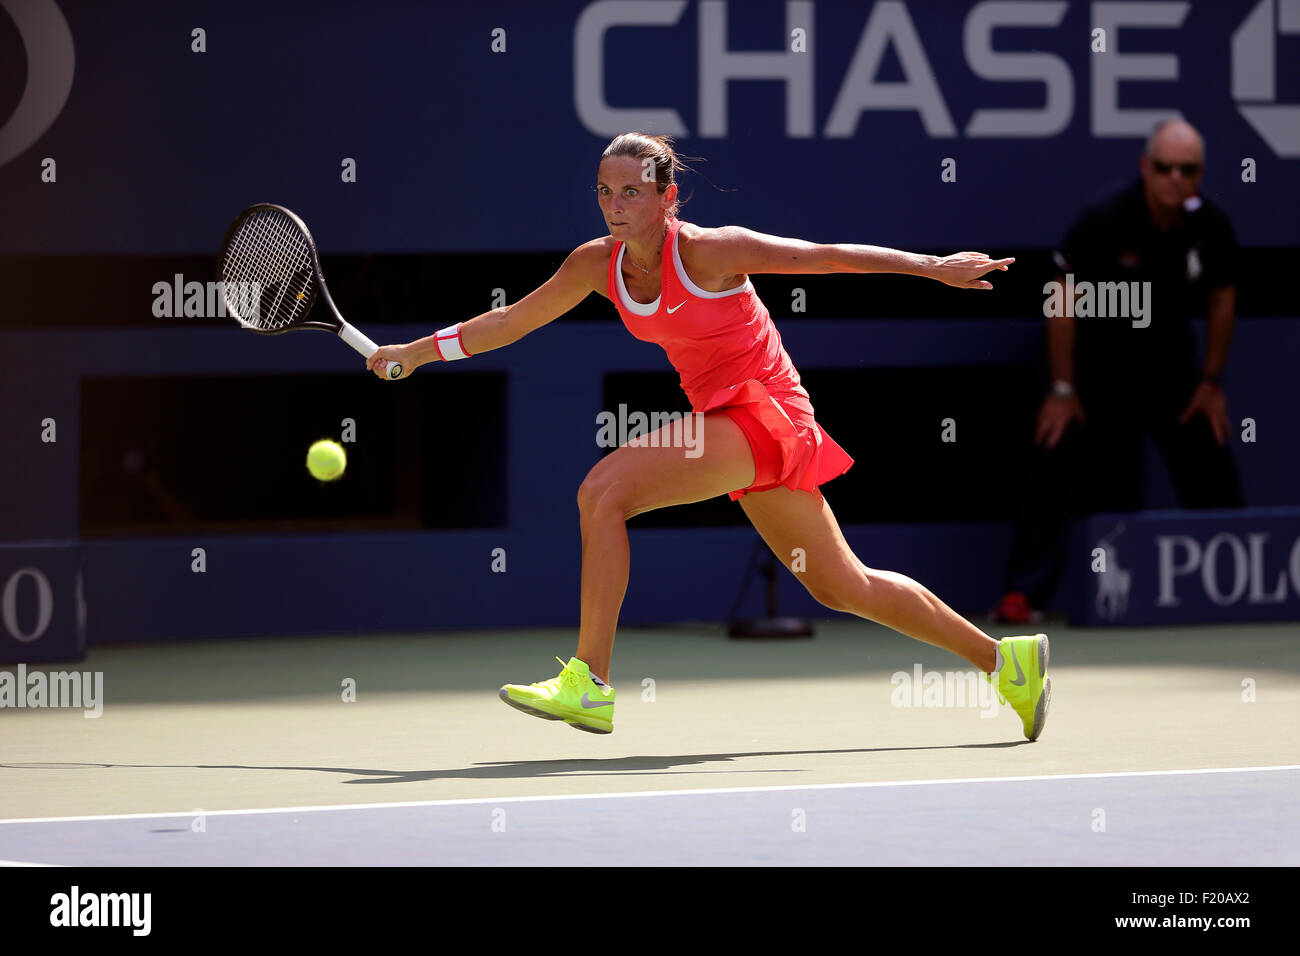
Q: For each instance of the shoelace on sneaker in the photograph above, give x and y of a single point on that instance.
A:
(569, 676)
(566, 678)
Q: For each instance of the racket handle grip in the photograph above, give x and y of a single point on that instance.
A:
(359, 341)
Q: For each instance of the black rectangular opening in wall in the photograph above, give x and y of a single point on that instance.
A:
(890, 420)
(174, 455)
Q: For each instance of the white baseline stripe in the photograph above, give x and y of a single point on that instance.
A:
(22, 863)
(645, 793)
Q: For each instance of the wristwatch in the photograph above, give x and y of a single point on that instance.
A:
(1062, 389)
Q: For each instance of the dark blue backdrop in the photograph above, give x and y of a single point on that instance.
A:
(459, 147)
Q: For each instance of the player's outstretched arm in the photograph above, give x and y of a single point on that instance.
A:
(733, 250)
(500, 327)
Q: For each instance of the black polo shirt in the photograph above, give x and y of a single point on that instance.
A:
(1115, 240)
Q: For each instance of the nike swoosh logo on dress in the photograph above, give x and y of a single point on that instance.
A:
(674, 308)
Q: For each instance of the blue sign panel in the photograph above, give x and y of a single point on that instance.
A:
(42, 603)
(1191, 567)
(404, 127)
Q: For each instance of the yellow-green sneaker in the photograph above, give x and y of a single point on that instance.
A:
(571, 696)
(1022, 680)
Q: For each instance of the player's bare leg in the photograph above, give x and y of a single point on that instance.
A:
(788, 519)
(640, 477)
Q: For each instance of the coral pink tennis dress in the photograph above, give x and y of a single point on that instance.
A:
(728, 353)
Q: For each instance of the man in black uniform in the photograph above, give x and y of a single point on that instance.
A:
(1160, 252)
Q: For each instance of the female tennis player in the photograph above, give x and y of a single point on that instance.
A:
(687, 288)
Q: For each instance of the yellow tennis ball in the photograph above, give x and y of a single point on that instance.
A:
(326, 460)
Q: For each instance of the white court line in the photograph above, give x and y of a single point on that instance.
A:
(642, 793)
(24, 863)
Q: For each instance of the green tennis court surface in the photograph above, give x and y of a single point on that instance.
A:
(189, 729)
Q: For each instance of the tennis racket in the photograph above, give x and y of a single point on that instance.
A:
(271, 277)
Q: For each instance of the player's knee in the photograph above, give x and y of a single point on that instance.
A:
(829, 593)
(826, 600)
(597, 491)
(588, 494)
(849, 590)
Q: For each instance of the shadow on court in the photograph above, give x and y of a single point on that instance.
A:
(525, 769)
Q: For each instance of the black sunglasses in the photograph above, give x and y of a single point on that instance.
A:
(1187, 169)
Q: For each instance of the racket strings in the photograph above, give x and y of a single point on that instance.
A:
(267, 272)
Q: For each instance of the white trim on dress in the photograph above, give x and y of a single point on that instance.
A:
(691, 287)
(636, 308)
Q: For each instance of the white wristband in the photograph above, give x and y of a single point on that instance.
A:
(449, 345)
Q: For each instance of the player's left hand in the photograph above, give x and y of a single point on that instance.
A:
(1209, 401)
(962, 270)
